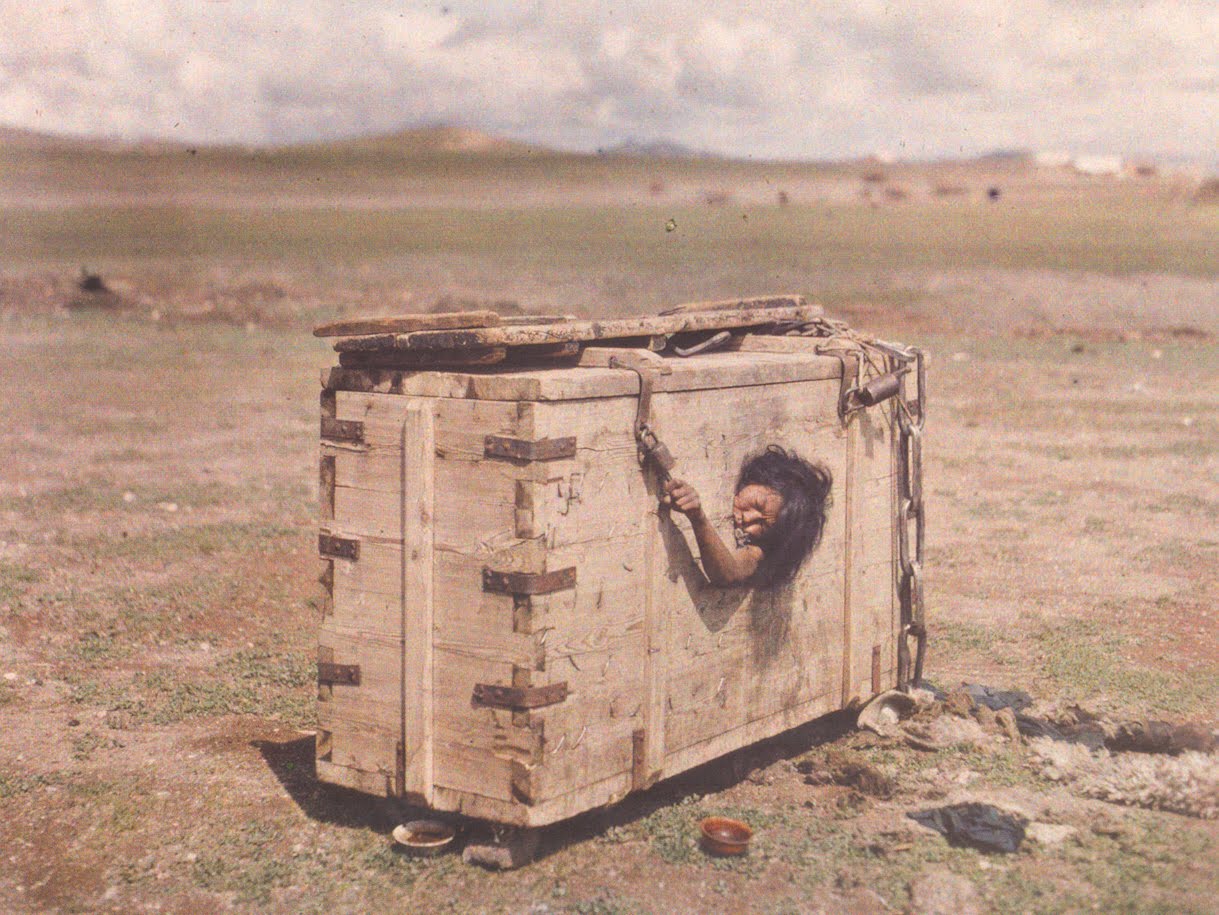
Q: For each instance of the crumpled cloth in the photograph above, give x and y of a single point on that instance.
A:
(975, 825)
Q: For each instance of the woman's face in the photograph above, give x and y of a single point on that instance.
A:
(755, 509)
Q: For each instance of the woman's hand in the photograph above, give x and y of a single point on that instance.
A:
(682, 496)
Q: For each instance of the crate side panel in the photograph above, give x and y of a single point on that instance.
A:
(476, 747)
(588, 734)
(475, 632)
(600, 494)
(364, 627)
(740, 655)
(364, 720)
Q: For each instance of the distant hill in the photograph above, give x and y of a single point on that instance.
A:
(19, 138)
(654, 149)
(416, 142)
(419, 142)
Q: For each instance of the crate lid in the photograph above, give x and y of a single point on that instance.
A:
(475, 333)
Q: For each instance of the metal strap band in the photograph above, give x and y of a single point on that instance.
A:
(544, 449)
(519, 698)
(342, 430)
(333, 547)
(338, 674)
(528, 582)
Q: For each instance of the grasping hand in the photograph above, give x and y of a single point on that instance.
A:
(682, 496)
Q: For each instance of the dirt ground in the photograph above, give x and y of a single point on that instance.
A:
(158, 602)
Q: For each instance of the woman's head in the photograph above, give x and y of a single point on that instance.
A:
(780, 503)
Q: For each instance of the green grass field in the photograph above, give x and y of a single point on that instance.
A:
(738, 240)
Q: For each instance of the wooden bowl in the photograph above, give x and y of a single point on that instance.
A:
(424, 838)
(722, 836)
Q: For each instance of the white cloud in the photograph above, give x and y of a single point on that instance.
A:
(780, 78)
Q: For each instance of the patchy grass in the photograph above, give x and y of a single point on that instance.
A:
(270, 684)
(222, 539)
(203, 612)
(99, 494)
(251, 866)
(85, 745)
(1088, 660)
(15, 579)
(12, 785)
(276, 686)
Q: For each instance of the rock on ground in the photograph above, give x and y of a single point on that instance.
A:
(941, 892)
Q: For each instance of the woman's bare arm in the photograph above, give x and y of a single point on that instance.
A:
(723, 565)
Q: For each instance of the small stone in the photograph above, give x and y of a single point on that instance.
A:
(1107, 824)
(985, 716)
(945, 731)
(118, 720)
(10, 676)
(73, 722)
(959, 703)
(941, 892)
(760, 777)
(128, 497)
(514, 850)
(1049, 833)
(1006, 719)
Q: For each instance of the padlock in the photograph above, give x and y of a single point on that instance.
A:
(659, 452)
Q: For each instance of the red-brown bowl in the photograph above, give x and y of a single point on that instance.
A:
(722, 836)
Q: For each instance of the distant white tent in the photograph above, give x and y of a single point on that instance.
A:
(1097, 165)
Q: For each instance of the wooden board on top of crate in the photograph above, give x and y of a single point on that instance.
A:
(710, 316)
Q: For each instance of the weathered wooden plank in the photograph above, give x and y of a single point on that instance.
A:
(422, 359)
(400, 324)
(418, 496)
(377, 573)
(594, 380)
(374, 783)
(751, 303)
(720, 640)
(364, 720)
(770, 343)
(850, 645)
(531, 335)
(474, 746)
(873, 584)
(748, 733)
(706, 701)
(514, 813)
(606, 606)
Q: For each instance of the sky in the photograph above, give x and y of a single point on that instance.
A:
(777, 79)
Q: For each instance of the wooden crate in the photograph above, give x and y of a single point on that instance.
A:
(515, 630)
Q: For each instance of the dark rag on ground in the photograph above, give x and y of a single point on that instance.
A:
(974, 825)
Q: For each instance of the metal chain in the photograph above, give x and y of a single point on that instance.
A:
(911, 417)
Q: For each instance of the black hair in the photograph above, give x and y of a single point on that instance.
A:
(805, 488)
